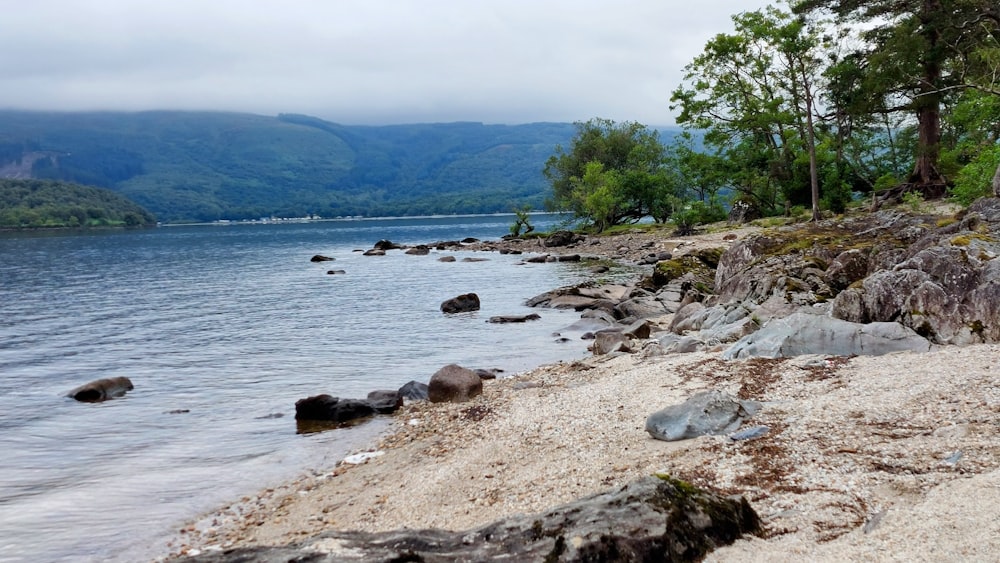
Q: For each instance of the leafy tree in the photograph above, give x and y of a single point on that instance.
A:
(915, 54)
(755, 94)
(611, 173)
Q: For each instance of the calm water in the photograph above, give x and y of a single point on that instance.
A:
(232, 325)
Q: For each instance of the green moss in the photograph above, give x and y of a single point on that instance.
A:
(977, 328)
(669, 270)
(966, 239)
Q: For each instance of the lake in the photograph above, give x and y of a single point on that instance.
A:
(222, 329)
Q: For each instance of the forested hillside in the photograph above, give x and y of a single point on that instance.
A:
(46, 204)
(203, 166)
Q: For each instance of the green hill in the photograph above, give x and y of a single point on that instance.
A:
(45, 204)
(203, 166)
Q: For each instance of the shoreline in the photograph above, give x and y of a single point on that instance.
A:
(856, 458)
(858, 463)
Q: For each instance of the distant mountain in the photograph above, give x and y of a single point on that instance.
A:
(46, 203)
(202, 166)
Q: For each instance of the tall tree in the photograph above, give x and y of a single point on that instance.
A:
(755, 92)
(913, 55)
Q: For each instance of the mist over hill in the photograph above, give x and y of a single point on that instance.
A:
(203, 166)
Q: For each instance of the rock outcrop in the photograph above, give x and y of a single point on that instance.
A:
(653, 519)
(936, 277)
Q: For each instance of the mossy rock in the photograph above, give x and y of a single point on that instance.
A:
(669, 270)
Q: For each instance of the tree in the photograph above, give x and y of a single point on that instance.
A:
(754, 92)
(914, 56)
(611, 173)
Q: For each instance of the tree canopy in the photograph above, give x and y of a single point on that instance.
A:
(915, 56)
(612, 173)
(46, 204)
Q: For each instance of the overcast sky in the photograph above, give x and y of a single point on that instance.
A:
(359, 62)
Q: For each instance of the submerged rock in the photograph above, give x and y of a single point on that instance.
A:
(102, 389)
(462, 304)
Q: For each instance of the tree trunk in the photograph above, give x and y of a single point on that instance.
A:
(928, 105)
(996, 182)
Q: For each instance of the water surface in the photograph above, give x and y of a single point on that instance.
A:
(222, 329)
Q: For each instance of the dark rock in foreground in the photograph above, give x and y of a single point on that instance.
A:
(101, 389)
(321, 258)
(652, 519)
(461, 304)
(332, 409)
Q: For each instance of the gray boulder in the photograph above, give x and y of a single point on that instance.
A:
(655, 518)
(704, 414)
(414, 391)
(804, 333)
(454, 384)
(561, 238)
(608, 341)
(385, 401)
(462, 304)
(419, 250)
(101, 389)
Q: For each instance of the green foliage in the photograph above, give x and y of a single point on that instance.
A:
(753, 92)
(914, 200)
(697, 213)
(188, 166)
(44, 204)
(522, 220)
(975, 178)
(612, 173)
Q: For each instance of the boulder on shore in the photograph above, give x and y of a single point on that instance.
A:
(101, 389)
(803, 333)
(414, 391)
(655, 518)
(454, 384)
(704, 414)
(462, 304)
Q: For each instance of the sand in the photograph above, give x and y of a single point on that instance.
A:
(891, 458)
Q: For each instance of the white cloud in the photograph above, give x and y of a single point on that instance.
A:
(376, 61)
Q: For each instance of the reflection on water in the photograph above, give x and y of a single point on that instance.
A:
(221, 330)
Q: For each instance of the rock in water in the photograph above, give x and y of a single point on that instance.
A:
(333, 409)
(704, 414)
(454, 384)
(653, 519)
(461, 304)
(101, 389)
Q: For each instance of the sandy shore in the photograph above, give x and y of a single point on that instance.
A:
(891, 458)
